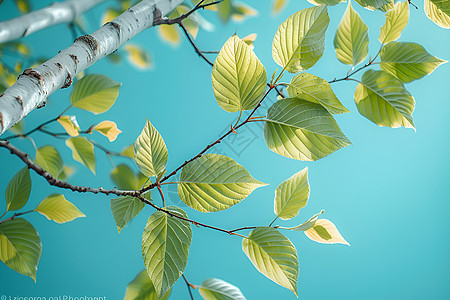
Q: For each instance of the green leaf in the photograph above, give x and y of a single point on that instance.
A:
(302, 130)
(65, 173)
(165, 248)
(396, 20)
(95, 93)
(443, 5)
(83, 151)
(70, 125)
(387, 7)
(24, 6)
(383, 99)
(20, 246)
(436, 15)
(373, 4)
(325, 2)
(408, 61)
(306, 225)
(351, 41)
(215, 182)
(319, 91)
(150, 151)
(108, 129)
(49, 159)
(19, 127)
(292, 195)
(124, 209)
(278, 6)
(55, 207)
(18, 190)
(124, 178)
(141, 288)
(300, 40)
(238, 77)
(138, 56)
(325, 232)
(169, 34)
(273, 255)
(217, 289)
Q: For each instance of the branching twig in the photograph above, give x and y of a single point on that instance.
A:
(189, 286)
(16, 215)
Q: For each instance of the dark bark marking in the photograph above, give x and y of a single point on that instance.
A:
(33, 73)
(59, 66)
(90, 41)
(68, 81)
(20, 101)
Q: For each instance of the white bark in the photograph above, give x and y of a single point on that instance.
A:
(57, 13)
(34, 86)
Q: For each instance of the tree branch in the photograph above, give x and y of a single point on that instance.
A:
(16, 215)
(189, 286)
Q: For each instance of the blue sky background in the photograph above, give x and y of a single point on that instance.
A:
(388, 193)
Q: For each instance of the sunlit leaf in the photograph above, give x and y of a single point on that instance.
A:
(70, 125)
(125, 209)
(436, 15)
(300, 40)
(302, 130)
(82, 151)
(55, 207)
(217, 289)
(138, 56)
(319, 91)
(49, 159)
(292, 195)
(66, 172)
(141, 288)
(20, 246)
(124, 178)
(238, 77)
(351, 41)
(18, 190)
(396, 20)
(24, 6)
(215, 182)
(150, 151)
(95, 93)
(249, 39)
(108, 129)
(273, 255)
(165, 248)
(383, 99)
(306, 225)
(19, 127)
(408, 61)
(325, 232)
(325, 2)
(443, 5)
(373, 4)
(278, 5)
(169, 33)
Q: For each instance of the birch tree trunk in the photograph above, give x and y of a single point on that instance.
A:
(57, 13)
(34, 85)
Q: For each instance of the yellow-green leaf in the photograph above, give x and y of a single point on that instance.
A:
(436, 15)
(138, 56)
(125, 209)
(108, 129)
(292, 195)
(169, 33)
(278, 6)
(319, 91)
(373, 4)
(49, 159)
(242, 11)
(55, 207)
(95, 93)
(325, 232)
(141, 288)
(383, 99)
(249, 39)
(215, 182)
(150, 151)
(306, 225)
(408, 61)
(66, 172)
(238, 77)
(24, 6)
(18, 190)
(128, 151)
(396, 20)
(82, 151)
(273, 255)
(351, 41)
(70, 125)
(20, 246)
(300, 40)
(443, 5)
(325, 2)
(124, 178)
(217, 289)
(19, 127)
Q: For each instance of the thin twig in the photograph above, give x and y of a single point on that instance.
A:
(189, 286)
(16, 215)
(191, 41)
(243, 228)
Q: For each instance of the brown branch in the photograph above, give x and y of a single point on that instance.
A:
(16, 215)
(243, 228)
(191, 41)
(189, 286)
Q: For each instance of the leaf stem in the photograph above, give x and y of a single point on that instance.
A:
(16, 215)
(3, 214)
(162, 195)
(271, 223)
(189, 286)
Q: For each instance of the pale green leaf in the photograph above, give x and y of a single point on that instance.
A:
(24, 6)
(408, 61)
(325, 232)
(95, 93)
(165, 248)
(278, 6)
(273, 255)
(20, 246)
(217, 289)
(70, 125)
(150, 151)
(18, 190)
(306, 225)
(141, 288)
(49, 159)
(124, 178)
(436, 15)
(169, 33)
(396, 20)
(443, 5)
(108, 129)
(325, 2)
(19, 127)
(66, 172)
(373, 4)
(55, 207)
(292, 195)
(82, 151)
(351, 41)
(138, 56)
(302, 130)
(319, 90)
(383, 99)
(300, 40)
(249, 39)
(238, 77)
(215, 182)
(125, 209)
(242, 11)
